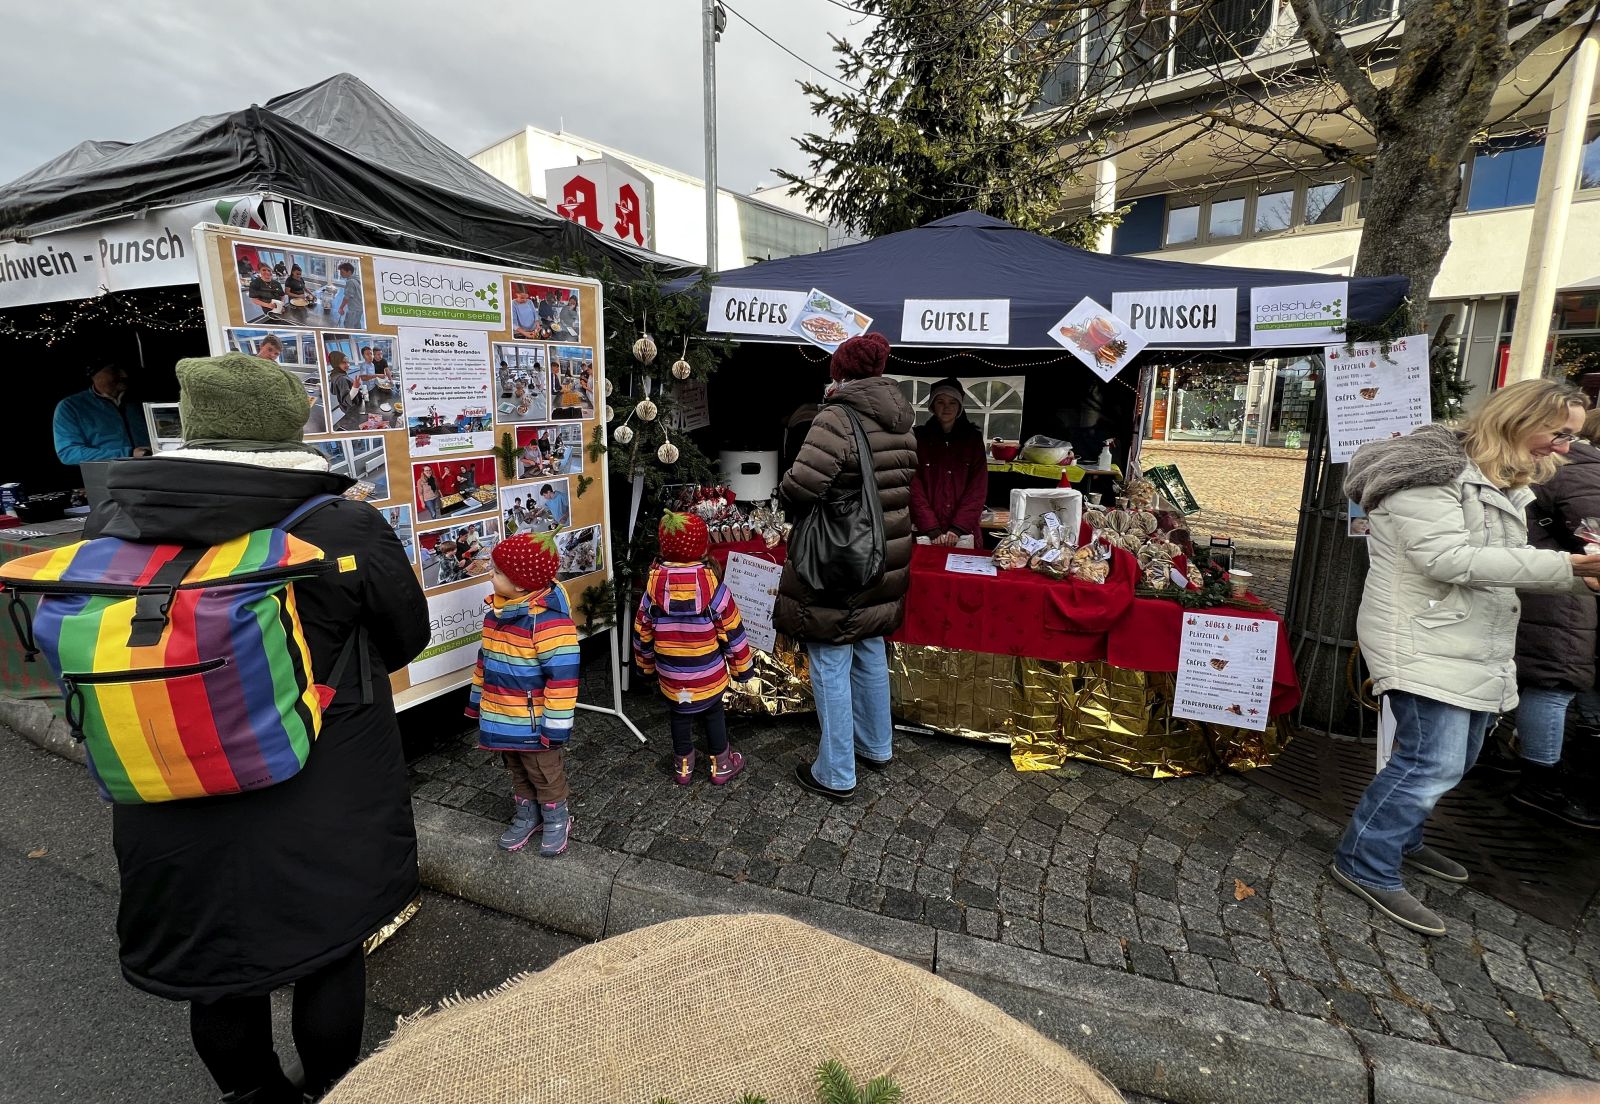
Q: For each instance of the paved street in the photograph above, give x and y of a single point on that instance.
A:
(72, 1030)
(1147, 877)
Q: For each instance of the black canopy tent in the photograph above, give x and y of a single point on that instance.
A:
(969, 257)
(344, 164)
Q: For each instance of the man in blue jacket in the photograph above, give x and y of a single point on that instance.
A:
(95, 424)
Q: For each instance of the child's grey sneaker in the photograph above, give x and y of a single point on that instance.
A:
(557, 829)
(524, 823)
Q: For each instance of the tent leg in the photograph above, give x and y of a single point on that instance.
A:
(615, 708)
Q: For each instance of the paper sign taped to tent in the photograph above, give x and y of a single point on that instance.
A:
(1375, 393)
(825, 321)
(1179, 317)
(956, 321)
(1097, 337)
(1300, 314)
(1225, 669)
(758, 311)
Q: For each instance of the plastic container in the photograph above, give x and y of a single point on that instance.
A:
(751, 476)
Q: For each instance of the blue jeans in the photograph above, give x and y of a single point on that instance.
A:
(1542, 722)
(851, 685)
(1434, 745)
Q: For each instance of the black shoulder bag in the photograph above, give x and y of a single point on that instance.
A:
(838, 548)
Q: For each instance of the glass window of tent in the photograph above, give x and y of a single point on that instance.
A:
(994, 403)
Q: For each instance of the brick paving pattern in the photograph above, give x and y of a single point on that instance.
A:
(1086, 864)
(1247, 493)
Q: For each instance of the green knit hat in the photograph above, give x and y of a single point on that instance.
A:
(239, 397)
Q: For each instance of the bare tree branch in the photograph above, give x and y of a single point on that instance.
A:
(1331, 51)
(1550, 26)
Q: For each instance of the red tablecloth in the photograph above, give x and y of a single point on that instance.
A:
(1024, 613)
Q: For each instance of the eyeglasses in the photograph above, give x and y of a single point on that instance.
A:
(1562, 437)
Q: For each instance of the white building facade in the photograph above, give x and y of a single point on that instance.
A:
(748, 229)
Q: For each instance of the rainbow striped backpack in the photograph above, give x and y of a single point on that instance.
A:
(185, 670)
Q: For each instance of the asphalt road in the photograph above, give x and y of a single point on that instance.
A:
(72, 1030)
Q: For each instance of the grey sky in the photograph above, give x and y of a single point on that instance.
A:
(622, 72)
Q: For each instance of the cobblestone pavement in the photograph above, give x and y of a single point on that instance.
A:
(1246, 493)
(1151, 877)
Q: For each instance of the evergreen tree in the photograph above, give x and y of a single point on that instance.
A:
(936, 121)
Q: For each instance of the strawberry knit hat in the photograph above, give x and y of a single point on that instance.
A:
(527, 560)
(859, 358)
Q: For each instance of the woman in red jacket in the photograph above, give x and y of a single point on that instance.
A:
(952, 478)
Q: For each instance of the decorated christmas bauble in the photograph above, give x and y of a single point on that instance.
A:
(610, 387)
(610, 414)
(644, 350)
(646, 410)
(667, 453)
(622, 434)
(681, 369)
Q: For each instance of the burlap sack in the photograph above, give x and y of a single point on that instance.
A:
(701, 1010)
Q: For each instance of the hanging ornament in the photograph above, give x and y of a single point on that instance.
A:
(622, 434)
(681, 369)
(646, 410)
(667, 453)
(610, 387)
(644, 350)
(611, 415)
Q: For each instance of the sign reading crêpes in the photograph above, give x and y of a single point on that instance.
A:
(956, 321)
(760, 311)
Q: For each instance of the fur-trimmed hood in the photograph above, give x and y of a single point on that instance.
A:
(1426, 457)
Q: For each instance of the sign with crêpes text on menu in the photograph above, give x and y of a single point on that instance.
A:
(1225, 667)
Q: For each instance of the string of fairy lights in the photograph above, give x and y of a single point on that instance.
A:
(175, 310)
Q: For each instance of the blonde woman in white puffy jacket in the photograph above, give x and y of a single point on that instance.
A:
(1448, 551)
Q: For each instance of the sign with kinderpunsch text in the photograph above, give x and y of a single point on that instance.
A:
(1225, 669)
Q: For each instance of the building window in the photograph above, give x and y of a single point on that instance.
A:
(1274, 211)
(1183, 224)
(1262, 403)
(1219, 31)
(1325, 203)
(1140, 229)
(1352, 13)
(1225, 218)
(994, 403)
(1589, 168)
(1505, 173)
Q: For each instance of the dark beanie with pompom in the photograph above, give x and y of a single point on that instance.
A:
(860, 358)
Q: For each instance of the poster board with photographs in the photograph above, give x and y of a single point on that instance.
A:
(415, 371)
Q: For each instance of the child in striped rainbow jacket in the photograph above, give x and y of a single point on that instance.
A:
(525, 687)
(688, 633)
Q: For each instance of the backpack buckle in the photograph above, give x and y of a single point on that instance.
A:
(150, 606)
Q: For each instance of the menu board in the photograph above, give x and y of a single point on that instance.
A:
(753, 582)
(1375, 393)
(1225, 669)
(416, 371)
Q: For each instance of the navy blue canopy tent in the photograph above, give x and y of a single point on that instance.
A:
(974, 256)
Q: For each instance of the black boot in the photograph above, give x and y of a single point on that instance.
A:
(1543, 788)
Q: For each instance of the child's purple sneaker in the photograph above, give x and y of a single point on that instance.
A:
(557, 829)
(524, 823)
(683, 768)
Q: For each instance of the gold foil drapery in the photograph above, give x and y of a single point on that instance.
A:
(780, 683)
(1050, 712)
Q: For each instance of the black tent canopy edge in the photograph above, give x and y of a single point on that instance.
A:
(336, 147)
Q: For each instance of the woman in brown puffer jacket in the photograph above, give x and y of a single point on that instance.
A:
(845, 638)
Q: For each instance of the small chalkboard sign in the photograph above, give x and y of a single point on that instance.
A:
(1169, 481)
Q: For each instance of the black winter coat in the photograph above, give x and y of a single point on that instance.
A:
(1556, 636)
(828, 464)
(241, 894)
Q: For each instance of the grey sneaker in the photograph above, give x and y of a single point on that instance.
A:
(524, 823)
(1429, 861)
(1396, 904)
(557, 829)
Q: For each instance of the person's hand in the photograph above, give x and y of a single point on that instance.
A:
(141, 452)
(1592, 584)
(947, 539)
(1586, 567)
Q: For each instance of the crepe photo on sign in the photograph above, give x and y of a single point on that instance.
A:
(826, 322)
(1097, 337)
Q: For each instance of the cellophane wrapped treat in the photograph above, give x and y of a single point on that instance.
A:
(1588, 531)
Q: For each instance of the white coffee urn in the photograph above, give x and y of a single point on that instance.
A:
(752, 476)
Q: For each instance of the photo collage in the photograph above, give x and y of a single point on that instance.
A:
(412, 414)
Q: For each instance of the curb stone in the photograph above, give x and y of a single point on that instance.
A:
(33, 719)
(1407, 1072)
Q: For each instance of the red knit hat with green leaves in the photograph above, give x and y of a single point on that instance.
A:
(530, 560)
(683, 537)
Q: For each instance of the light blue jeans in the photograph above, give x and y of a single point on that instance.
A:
(1542, 722)
(1434, 745)
(851, 685)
